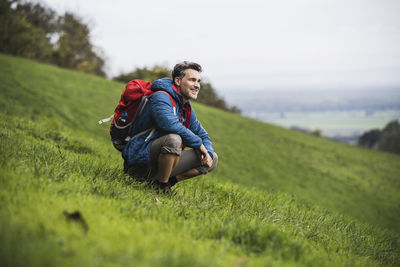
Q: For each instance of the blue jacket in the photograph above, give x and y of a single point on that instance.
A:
(159, 114)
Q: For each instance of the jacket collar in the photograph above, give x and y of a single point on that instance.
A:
(167, 85)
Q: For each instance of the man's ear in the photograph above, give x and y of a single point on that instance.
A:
(177, 81)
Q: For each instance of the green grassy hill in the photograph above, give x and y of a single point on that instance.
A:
(278, 197)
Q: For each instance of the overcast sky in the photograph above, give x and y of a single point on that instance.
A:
(252, 44)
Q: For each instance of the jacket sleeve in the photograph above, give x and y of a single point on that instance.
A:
(196, 127)
(162, 113)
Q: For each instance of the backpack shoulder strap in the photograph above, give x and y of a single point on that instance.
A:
(172, 100)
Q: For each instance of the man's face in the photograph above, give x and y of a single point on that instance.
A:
(189, 85)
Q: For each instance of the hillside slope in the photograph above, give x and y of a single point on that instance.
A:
(55, 157)
(359, 182)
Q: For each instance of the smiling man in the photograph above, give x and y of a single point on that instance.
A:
(165, 127)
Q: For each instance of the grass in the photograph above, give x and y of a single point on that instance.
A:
(354, 181)
(277, 197)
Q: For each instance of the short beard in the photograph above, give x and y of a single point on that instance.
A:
(193, 98)
(189, 97)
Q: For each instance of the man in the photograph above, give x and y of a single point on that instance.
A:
(166, 125)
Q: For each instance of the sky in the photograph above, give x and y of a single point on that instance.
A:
(251, 44)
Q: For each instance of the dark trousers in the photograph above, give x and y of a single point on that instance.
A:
(171, 144)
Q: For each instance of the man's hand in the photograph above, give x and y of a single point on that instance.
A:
(204, 157)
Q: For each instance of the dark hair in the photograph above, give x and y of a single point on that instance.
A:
(180, 68)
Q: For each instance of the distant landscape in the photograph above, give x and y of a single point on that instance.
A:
(342, 115)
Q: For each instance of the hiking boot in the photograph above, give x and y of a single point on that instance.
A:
(164, 188)
(172, 181)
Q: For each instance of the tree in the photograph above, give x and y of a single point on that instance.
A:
(154, 73)
(32, 30)
(210, 97)
(39, 16)
(19, 36)
(393, 126)
(370, 139)
(390, 140)
(74, 49)
(387, 139)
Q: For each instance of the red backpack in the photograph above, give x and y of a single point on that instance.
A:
(133, 100)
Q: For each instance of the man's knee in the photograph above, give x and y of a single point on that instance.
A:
(172, 145)
(215, 162)
(205, 170)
